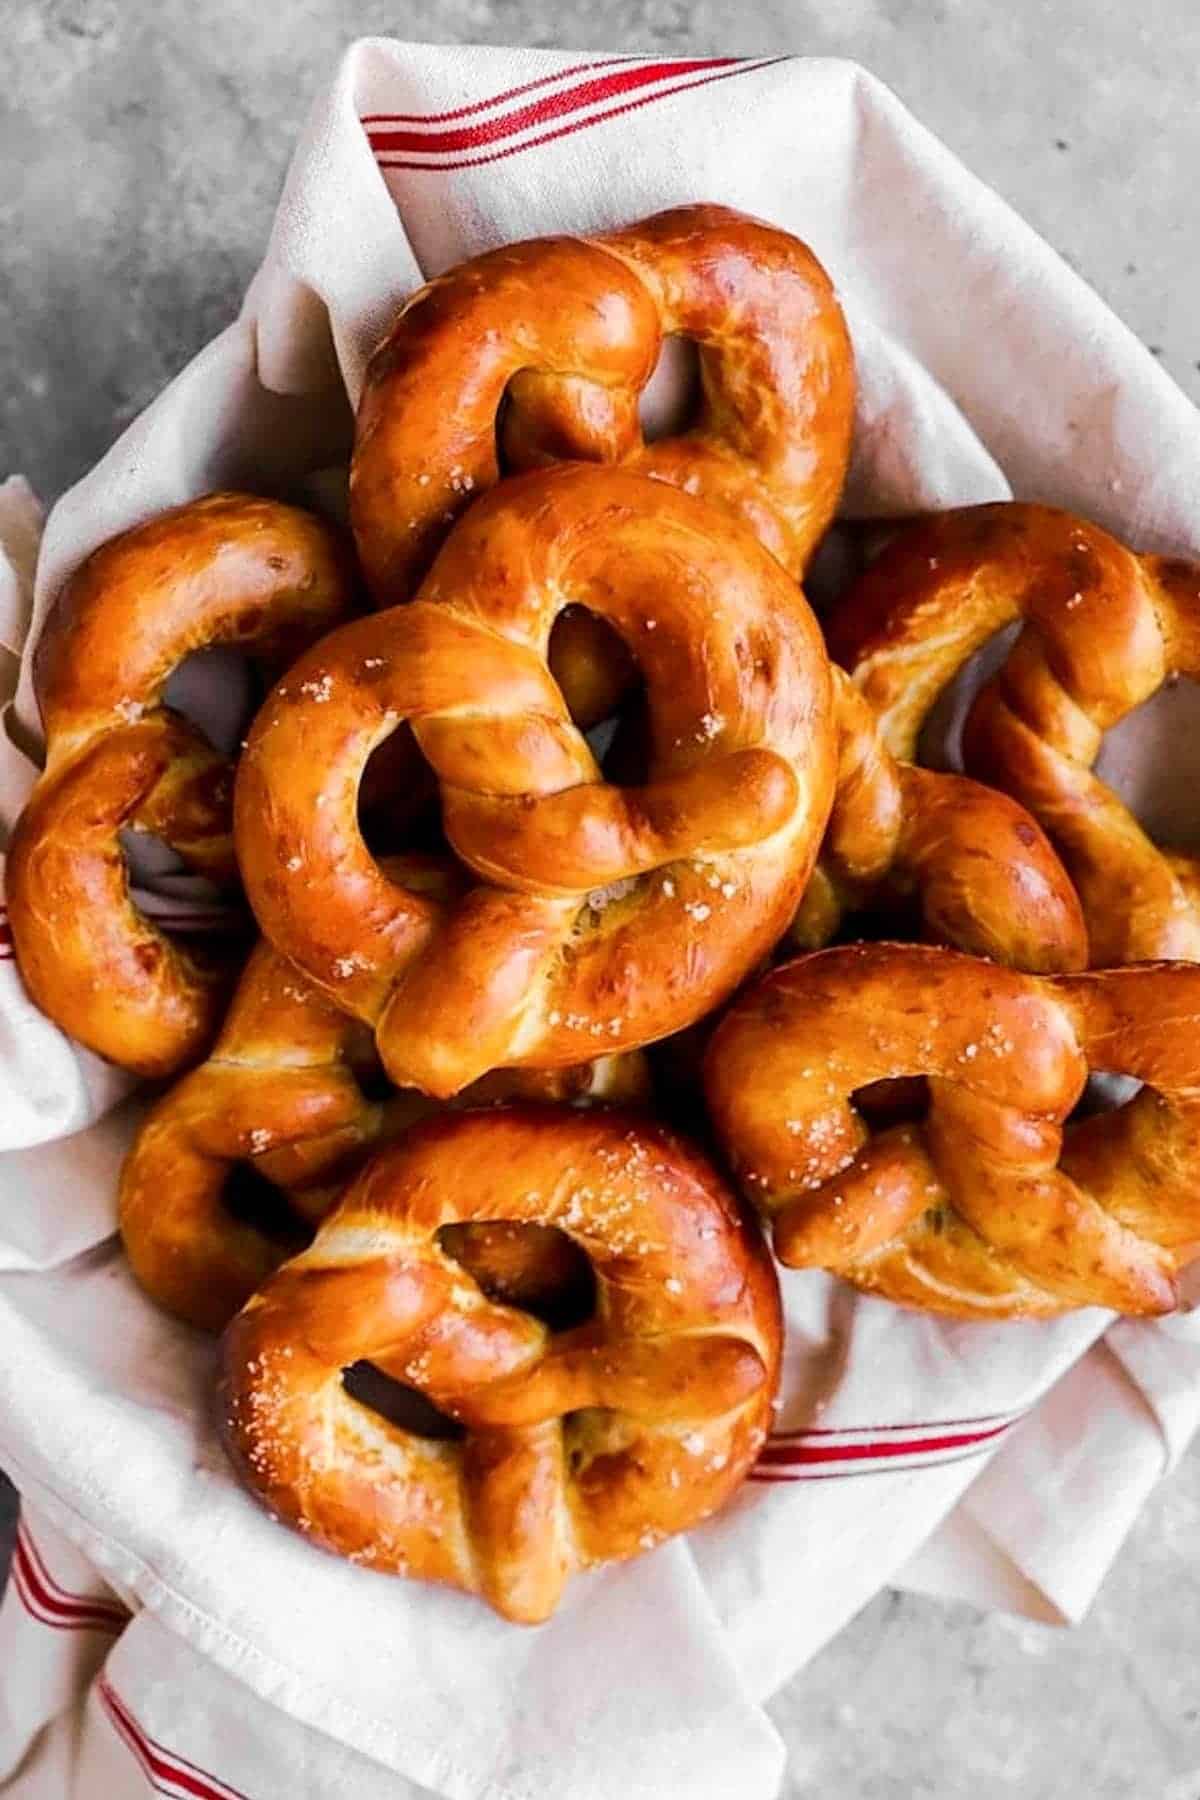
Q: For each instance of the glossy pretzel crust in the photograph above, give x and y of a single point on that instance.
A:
(604, 917)
(1103, 630)
(979, 869)
(537, 352)
(228, 569)
(290, 1092)
(987, 1207)
(555, 338)
(579, 1447)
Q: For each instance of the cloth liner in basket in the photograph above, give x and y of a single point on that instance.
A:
(999, 1463)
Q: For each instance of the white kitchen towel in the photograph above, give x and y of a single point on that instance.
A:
(101, 1703)
(1007, 1461)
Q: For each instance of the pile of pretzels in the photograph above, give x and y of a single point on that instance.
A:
(602, 911)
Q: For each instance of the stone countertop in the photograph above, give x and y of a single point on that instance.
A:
(142, 143)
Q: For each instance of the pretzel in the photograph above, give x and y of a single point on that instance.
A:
(604, 917)
(1104, 629)
(575, 1447)
(537, 352)
(227, 569)
(234, 1167)
(986, 1207)
(279, 1096)
(980, 869)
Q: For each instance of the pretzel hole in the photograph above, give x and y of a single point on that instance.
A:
(591, 665)
(177, 900)
(371, 1080)
(397, 1403)
(537, 1268)
(398, 796)
(939, 745)
(218, 690)
(897, 1101)
(148, 857)
(896, 921)
(670, 400)
(1151, 758)
(837, 562)
(1103, 1092)
(250, 1199)
(624, 754)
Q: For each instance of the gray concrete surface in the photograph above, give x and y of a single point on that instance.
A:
(142, 144)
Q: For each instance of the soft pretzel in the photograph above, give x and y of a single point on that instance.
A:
(537, 352)
(277, 1096)
(234, 1167)
(980, 869)
(542, 349)
(228, 569)
(605, 917)
(986, 1207)
(1104, 629)
(576, 1447)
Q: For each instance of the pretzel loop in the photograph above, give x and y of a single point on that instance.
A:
(565, 332)
(1104, 629)
(579, 1447)
(986, 1206)
(281, 1100)
(227, 569)
(612, 916)
(978, 866)
(543, 348)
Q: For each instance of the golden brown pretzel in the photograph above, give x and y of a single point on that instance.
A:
(537, 353)
(984, 876)
(986, 1207)
(280, 1100)
(564, 333)
(279, 1096)
(582, 1446)
(228, 569)
(604, 916)
(1104, 629)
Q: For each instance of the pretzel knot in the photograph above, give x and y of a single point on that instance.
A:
(537, 352)
(1104, 629)
(234, 1167)
(278, 1100)
(605, 917)
(228, 569)
(574, 1447)
(556, 338)
(978, 867)
(987, 1206)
